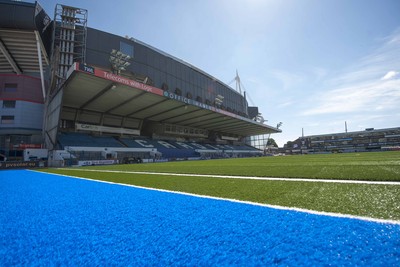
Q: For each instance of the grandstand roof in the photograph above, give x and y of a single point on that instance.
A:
(22, 28)
(96, 90)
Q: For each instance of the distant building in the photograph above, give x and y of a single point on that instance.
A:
(361, 141)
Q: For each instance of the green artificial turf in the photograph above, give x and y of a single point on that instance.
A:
(377, 201)
(376, 166)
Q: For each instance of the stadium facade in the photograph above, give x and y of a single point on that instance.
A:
(84, 94)
(360, 141)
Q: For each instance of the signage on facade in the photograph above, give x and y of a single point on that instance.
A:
(21, 164)
(25, 146)
(105, 129)
(97, 162)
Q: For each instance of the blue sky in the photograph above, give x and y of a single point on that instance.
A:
(309, 64)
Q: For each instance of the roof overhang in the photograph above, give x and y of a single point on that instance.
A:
(87, 88)
(22, 29)
(19, 52)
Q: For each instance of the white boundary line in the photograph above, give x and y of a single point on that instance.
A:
(243, 177)
(321, 213)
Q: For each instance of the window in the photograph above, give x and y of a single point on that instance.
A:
(10, 87)
(127, 49)
(8, 103)
(7, 119)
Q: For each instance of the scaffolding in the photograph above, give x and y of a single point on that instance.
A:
(69, 40)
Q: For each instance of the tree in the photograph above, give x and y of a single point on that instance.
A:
(271, 142)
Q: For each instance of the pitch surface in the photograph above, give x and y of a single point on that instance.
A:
(52, 220)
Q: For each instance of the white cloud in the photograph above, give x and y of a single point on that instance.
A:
(319, 73)
(390, 75)
(381, 95)
(361, 88)
(289, 80)
(285, 104)
(372, 66)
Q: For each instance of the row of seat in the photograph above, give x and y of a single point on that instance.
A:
(169, 149)
(86, 140)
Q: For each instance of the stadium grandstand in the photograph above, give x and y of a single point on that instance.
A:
(71, 94)
(361, 141)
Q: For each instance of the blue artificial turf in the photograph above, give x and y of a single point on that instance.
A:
(54, 220)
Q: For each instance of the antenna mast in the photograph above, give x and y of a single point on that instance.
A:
(238, 83)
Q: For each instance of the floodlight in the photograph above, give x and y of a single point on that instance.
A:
(119, 60)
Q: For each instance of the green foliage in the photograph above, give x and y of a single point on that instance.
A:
(271, 142)
(378, 201)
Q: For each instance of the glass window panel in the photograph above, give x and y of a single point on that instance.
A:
(8, 103)
(193, 77)
(169, 66)
(7, 119)
(10, 87)
(126, 49)
(178, 70)
(157, 79)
